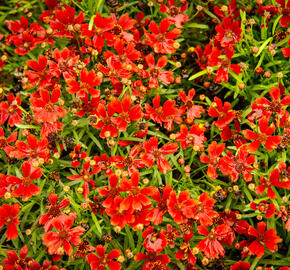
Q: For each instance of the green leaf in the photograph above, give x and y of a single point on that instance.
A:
(263, 46)
(198, 74)
(99, 229)
(95, 140)
(198, 25)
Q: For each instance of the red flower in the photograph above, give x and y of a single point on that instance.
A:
(194, 137)
(276, 106)
(161, 208)
(155, 242)
(160, 40)
(85, 175)
(210, 245)
(111, 191)
(208, 57)
(214, 151)
(65, 23)
(181, 208)
(121, 26)
(60, 241)
(193, 111)
(44, 108)
(119, 216)
(126, 114)
(104, 260)
(170, 234)
(105, 123)
(4, 143)
(152, 260)
(234, 135)
(14, 262)
(174, 12)
(76, 154)
(263, 137)
(284, 9)
(240, 266)
(89, 81)
(231, 10)
(160, 114)
(202, 210)
(185, 251)
(34, 150)
(24, 184)
(154, 74)
(223, 112)
(11, 110)
(272, 181)
(234, 166)
(54, 212)
(264, 207)
(25, 43)
(39, 76)
(229, 32)
(152, 154)
(8, 215)
(138, 198)
(269, 238)
(66, 60)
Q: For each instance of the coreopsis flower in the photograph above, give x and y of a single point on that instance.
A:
(185, 250)
(208, 57)
(38, 75)
(268, 237)
(181, 208)
(153, 260)
(276, 106)
(103, 260)
(286, 51)
(63, 64)
(25, 186)
(24, 43)
(97, 206)
(234, 166)
(54, 212)
(34, 149)
(65, 24)
(119, 216)
(127, 114)
(111, 191)
(155, 242)
(154, 73)
(98, 32)
(202, 210)
(89, 81)
(11, 111)
(192, 111)
(229, 32)
(160, 40)
(64, 238)
(137, 197)
(210, 246)
(176, 15)
(152, 154)
(160, 114)
(170, 234)
(264, 207)
(105, 123)
(89, 105)
(234, 135)
(141, 217)
(240, 266)
(76, 155)
(214, 152)
(161, 208)
(232, 10)
(222, 111)
(8, 216)
(85, 175)
(272, 181)
(44, 108)
(264, 137)
(120, 29)
(13, 261)
(193, 137)
(284, 9)
(4, 142)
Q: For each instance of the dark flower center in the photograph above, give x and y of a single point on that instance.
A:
(117, 30)
(173, 11)
(54, 211)
(62, 234)
(49, 107)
